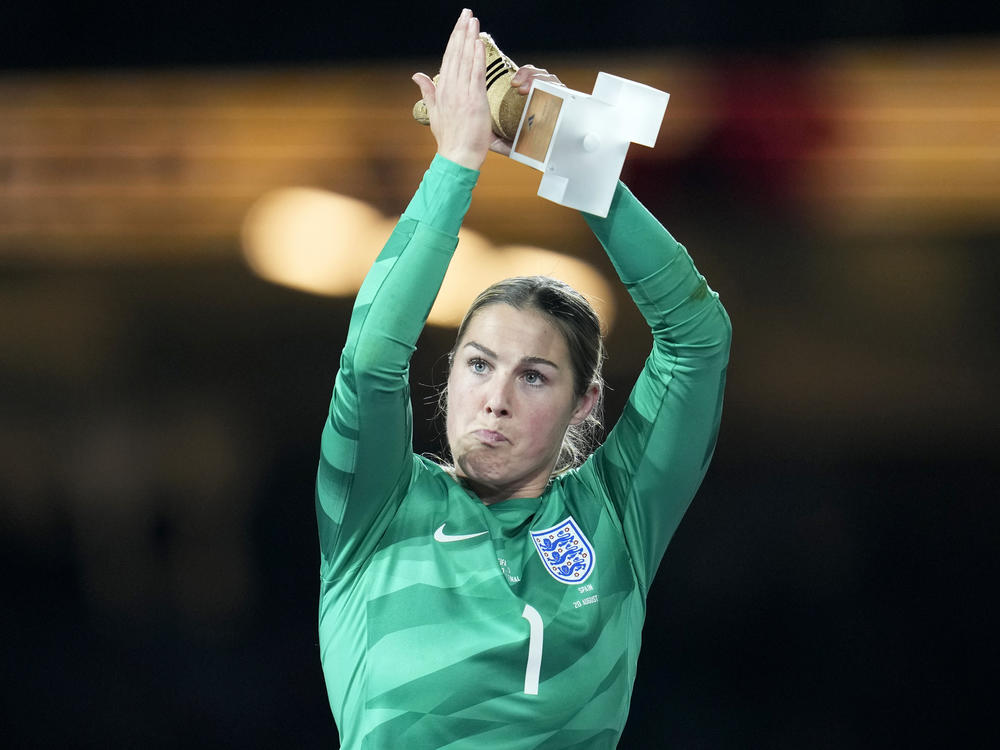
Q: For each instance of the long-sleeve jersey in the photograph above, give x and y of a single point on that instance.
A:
(448, 623)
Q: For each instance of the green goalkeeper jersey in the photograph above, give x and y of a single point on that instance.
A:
(447, 623)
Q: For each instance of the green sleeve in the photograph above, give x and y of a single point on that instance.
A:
(658, 452)
(366, 450)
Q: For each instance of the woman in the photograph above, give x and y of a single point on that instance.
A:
(498, 603)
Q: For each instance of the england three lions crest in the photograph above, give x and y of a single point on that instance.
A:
(567, 554)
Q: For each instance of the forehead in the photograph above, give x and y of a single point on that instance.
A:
(510, 331)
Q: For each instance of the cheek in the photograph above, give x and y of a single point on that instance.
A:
(457, 402)
(547, 423)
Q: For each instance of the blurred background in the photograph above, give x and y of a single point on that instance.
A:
(834, 169)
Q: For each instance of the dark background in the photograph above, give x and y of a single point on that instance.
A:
(833, 585)
(50, 35)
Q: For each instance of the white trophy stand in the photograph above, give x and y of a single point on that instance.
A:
(578, 141)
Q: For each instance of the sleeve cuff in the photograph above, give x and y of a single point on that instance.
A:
(444, 195)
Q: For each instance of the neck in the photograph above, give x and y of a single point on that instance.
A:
(491, 495)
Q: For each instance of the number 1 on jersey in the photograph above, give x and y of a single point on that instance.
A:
(535, 637)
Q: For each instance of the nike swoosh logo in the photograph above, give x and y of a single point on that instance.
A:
(440, 536)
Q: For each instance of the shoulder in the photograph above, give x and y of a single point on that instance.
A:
(580, 490)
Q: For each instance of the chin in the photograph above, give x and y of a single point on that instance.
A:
(479, 468)
(486, 466)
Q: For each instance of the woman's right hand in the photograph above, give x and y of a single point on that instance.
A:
(522, 81)
(457, 106)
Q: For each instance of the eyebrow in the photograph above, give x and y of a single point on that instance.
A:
(524, 360)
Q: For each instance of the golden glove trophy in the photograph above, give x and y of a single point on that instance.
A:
(577, 141)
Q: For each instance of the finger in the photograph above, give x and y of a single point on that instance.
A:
(477, 73)
(427, 88)
(521, 75)
(470, 51)
(500, 146)
(453, 50)
(526, 74)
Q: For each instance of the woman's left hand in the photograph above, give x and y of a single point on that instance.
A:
(457, 106)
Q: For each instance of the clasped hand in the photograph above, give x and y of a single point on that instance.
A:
(457, 105)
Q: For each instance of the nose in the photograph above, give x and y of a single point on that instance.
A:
(498, 401)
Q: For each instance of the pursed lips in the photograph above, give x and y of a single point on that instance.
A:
(491, 437)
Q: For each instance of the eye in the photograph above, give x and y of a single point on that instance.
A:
(478, 365)
(534, 377)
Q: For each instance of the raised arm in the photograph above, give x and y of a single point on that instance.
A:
(656, 456)
(366, 451)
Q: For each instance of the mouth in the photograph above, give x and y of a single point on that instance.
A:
(490, 437)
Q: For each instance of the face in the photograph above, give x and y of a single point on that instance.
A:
(510, 400)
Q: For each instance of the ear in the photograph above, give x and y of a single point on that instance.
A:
(585, 405)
